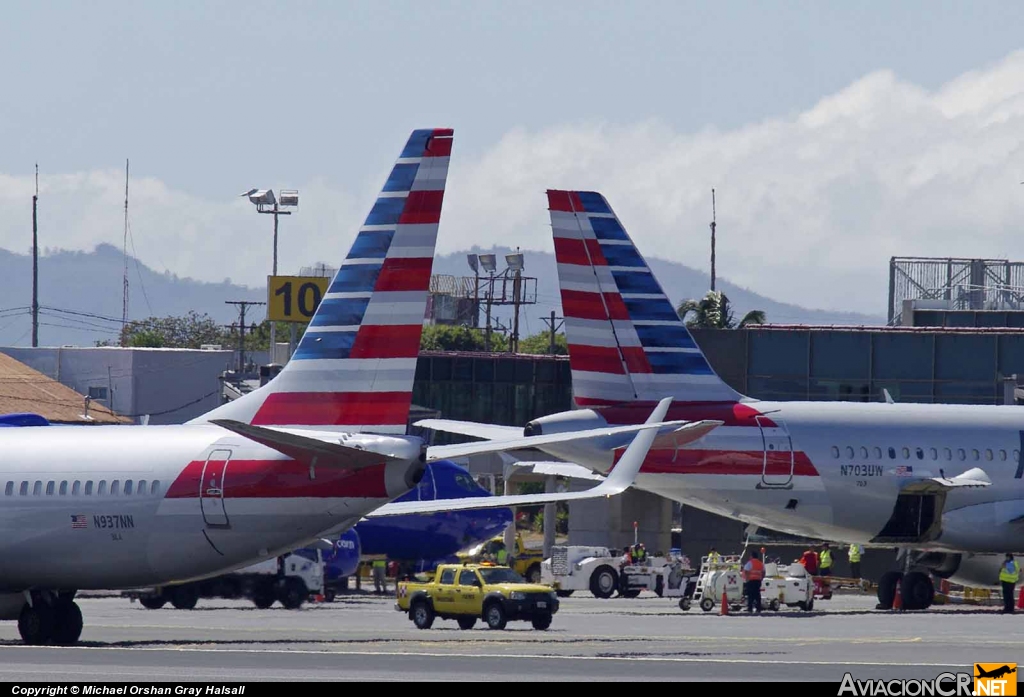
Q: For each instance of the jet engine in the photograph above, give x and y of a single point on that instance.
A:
(975, 570)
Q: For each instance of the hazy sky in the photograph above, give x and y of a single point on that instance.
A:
(835, 134)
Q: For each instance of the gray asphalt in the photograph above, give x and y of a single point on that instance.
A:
(362, 637)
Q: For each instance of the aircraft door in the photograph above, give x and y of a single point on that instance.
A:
(211, 489)
(777, 470)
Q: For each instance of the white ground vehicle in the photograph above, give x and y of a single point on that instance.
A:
(290, 579)
(578, 568)
(782, 585)
(670, 577)
(787, 585)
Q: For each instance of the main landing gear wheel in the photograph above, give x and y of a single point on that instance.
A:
(887, 589)
(36, 623)
(184, 597)
(68, 617)
(152, 602)
(917, 591)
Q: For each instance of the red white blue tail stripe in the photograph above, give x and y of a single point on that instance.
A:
(626, 342)
(354, 367)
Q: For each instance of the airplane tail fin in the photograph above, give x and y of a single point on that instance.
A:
(353, 369)
(626, 342)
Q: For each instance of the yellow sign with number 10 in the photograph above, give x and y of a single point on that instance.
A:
(294, 298)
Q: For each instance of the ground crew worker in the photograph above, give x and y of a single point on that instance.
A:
(825, 561)
(809, 560)
(855, 551)
(753, 572)
(641, 553)
(380, 583)
(1009, 575)
(502, 556)
(714, 557)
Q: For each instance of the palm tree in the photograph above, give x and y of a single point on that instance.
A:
(713, 312)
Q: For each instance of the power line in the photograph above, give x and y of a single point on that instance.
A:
(242, 306)
(550, 323)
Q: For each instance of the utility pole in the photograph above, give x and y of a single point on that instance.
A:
(242, 305)
(513, 345)
(712, 239)
(487, 330)
(551, 326)
(273, 325)
(124, 253)
(35, 266)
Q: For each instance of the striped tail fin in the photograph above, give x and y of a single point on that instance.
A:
(626, 342)
(354, 367)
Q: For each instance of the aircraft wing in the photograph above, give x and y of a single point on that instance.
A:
(306, 450)
(471, 428)
(681, 431)
(618, 480)
(974, 477)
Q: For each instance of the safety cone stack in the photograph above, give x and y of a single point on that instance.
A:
(725, 604)
(1020, 599)
(897, 601)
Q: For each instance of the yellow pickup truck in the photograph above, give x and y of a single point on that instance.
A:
(468, 592)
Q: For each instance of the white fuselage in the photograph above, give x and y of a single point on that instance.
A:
(834, 470)
(114, 507)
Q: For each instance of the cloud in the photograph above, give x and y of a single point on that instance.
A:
(810, 205)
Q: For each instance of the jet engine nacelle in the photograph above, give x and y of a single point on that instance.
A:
(974, 570)
(595, 450)
(399, 477)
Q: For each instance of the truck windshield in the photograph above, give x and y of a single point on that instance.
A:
(501, 576)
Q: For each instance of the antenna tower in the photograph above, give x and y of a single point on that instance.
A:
(124, 301)
(712, 239)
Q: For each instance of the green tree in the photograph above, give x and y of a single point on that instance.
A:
(714, 312)
(190, 331)
(541, 343)
(447, 337)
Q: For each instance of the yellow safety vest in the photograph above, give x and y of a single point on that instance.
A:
(380, 564)
(825, 559)
(1007, 576)
(502, 556)
(854, 553)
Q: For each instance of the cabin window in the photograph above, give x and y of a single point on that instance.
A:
(961, 454)
(878, 453)
(835, 451)
(920, 454)
(1002, 454)
(101, 488)
(128, 488)
(988, 454)
(448, 577)
(115, 487)
(142, 487)
(864, 452)
(975, 454)
(24, 489)
(76, 488)
(467, 577)
(948, 453)
(88, 488)
(849, 452)
(9, 491)
(154, 488)
(37, 489)
(63, 489)
(49, 488)
(892, 453)
(934, 453)
(906, 453)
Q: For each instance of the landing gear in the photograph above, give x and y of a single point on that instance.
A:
(50, 619)
(887, 589)
(917, 591)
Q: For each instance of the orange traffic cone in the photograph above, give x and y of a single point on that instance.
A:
(897, 602)
(1020, 599)
(944, 587)
(725, 604)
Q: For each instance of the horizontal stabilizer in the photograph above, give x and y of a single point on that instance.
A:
(974, 477)
(305, 449)
(620, 479)
(446, 452)
(470, 428)
(556, 469)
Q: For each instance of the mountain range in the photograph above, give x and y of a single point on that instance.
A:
(81, 295)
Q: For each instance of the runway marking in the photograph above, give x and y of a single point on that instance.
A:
(548, 657)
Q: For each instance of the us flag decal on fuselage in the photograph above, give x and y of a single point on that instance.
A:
(79, 522)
